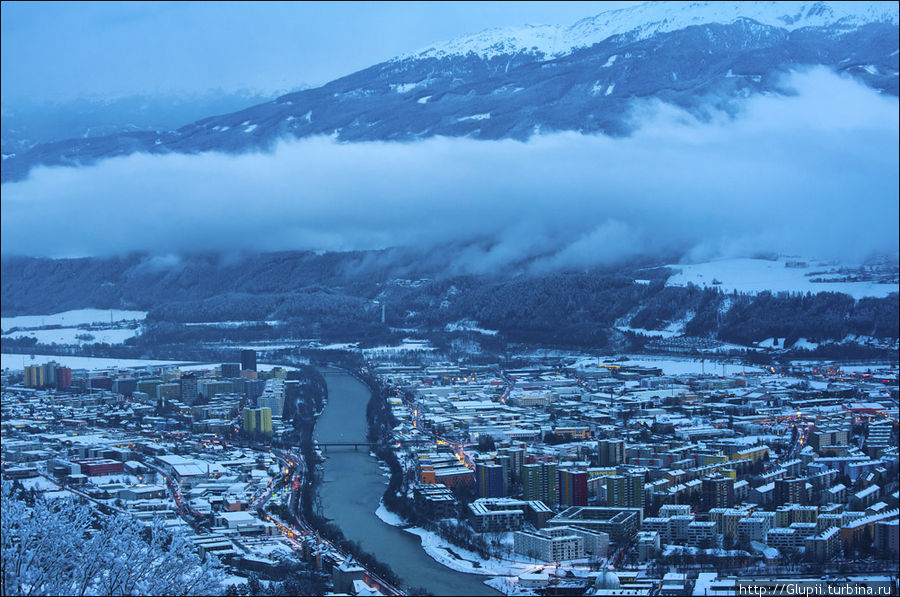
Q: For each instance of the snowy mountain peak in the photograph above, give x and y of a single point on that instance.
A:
(650, 18)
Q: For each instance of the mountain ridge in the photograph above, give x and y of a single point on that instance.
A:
(640, 22)
(515, 95)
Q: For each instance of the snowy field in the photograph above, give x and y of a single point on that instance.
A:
(210, 366)
(262, 346)
(671, 366)
(758, 275)
(407, 346)
(71, 335)
(72, 318)
(18, 361)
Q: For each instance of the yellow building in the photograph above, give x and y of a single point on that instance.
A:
(755, 454)
(707, 459)
(258, 421)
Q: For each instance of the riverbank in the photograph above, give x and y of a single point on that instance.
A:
(352, 486)
(455, 557)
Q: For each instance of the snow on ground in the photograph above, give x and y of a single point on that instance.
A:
(467, 325)
(675, 328)
(648, 19)
(666, 333)
(508, 585)
(669, 365)
(389, 517)
(39, 484)
(337, 346)
(726, 347)
(78, 336)
(468, 561)
(406, 346)
(464, 560)
(209, 366)
(69, 333)
(18, 361)
(404, 87)
(72, 318)
(482, 116)
(231, 324)
(867, 368)
(758, 275)
(261, 345)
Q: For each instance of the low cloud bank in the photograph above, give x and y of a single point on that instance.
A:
(814, 173)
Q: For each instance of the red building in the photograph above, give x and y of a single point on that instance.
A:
(94, 467)
(573, 489)
(63, 378)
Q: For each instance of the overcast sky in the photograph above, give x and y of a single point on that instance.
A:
(70, 49)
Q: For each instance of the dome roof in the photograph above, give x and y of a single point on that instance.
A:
(607, 580)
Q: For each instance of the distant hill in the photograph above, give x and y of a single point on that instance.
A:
(339, 297)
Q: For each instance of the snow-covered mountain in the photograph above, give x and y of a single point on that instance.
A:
(652, 18)
(513, 82)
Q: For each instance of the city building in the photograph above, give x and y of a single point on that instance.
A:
(555, 544)
(257, 421)
(573, 490)
(539, 482)
(489, 480)
(248, 360)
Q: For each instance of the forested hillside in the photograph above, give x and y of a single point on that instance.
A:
(340, 297)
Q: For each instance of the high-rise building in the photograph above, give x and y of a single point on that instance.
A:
(611, 452)
(248, 360)
(41, 376)
(253, 389)
(168, 392)
(190, 391)
(878, 437)
(250, 420)
(573, 489)
(717, 492)
(539, 482)
(210, 387)
(49, 373)
(34, 376)
(820, 439)
(126, 386)
(231, 369)
(489, 482)
(625, 491)
(63, 377)
(516, 460)
(887, 539)
(257, 421)
(789, 491)
(273, 396)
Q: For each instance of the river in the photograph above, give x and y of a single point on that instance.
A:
(353, 485)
